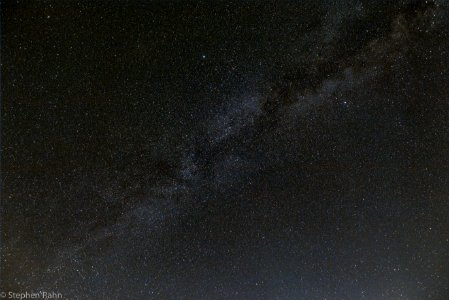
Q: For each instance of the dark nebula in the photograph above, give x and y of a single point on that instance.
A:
(225, 150)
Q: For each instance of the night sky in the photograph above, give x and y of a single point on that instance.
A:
(225, 150)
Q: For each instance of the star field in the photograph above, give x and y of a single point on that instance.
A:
(229, 150)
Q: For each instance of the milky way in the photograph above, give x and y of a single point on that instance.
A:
(256, 150)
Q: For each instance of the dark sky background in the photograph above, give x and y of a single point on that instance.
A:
(225, 150)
